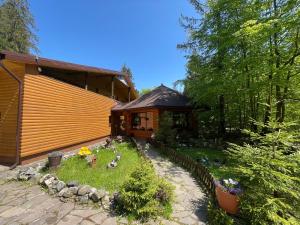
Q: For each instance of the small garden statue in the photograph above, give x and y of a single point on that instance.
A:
(92, 160)
(118, 157)
(108, 143)
(112, 164)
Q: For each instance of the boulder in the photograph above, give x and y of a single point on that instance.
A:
(60, 185)
(72, 183)
(84, 199)
(97, 195)
(49, 182)
(45, 177)
(74, 190)
(65, 192)
(83, 190)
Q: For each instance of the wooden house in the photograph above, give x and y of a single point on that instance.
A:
(47, 105)
(140, 118)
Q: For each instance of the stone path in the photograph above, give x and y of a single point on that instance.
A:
(21, 203)
(190, 202)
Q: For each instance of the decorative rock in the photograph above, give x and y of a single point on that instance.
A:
(93, 190)
(83, 190)
(22, 177)
(98, 195)
(61, 193)
(105, 201)
(72, 183)
(51, 191)
(60, 185)
(67, 194)
(49, 181)
(83, 199)
(25, 174)
(45, 177)
(74, 190)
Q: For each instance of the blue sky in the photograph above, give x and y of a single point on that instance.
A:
(143, 34)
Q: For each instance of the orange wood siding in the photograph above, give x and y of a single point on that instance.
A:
(9, 109)
(56, 114)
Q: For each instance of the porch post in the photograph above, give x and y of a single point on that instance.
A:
(85, 81)
(113, 87)
(129, 94)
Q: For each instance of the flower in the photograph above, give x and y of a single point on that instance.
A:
(84, 151)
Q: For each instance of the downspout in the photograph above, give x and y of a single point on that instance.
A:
(18, 131)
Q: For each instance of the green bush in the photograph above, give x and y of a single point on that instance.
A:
(165, 133)
(270, 177)
(144, 195)
(217, 216)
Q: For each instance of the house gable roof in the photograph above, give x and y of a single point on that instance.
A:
(161, 96)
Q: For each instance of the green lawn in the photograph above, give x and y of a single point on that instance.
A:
(223, 171)
(77, 169)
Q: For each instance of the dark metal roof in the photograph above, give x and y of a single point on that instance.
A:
(43, 62)
(161, 96)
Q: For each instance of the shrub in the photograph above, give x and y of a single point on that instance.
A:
(165, 133)
(144, 195)
(217, 216)
(270, 177)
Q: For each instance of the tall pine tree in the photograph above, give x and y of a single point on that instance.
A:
(17, 27)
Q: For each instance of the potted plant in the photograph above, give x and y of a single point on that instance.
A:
(227, 193)
(54, 159)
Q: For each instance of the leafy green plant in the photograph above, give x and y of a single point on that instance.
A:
(165, 133)
(217, 216)
(144, 195)
(270, 177)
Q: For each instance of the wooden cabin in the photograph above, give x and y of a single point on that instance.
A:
(140, 118)
(47, 105)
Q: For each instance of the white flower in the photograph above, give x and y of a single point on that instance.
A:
(226, 181)
(233, 181)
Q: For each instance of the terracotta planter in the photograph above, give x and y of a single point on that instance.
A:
(227, 201)
(54, 161)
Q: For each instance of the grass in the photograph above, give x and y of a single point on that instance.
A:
(77, 168)
(223, 171)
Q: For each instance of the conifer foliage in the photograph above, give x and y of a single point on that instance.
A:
(17, 27)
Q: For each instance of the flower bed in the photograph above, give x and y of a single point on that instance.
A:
(100, 176)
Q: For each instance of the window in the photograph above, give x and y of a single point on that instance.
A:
(142, 121)
(180, 119)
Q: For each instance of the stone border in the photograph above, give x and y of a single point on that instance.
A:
(66, 192)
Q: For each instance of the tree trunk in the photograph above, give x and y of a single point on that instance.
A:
(222, 129)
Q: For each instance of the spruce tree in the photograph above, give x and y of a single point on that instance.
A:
(17, 27)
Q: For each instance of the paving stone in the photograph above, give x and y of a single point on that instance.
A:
(86, 222)
(15, 211)
(84, 213)
(110, 221)
(70, 220)
(99, 218)
(188, 220)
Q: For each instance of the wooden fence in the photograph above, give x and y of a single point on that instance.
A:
(199, 170)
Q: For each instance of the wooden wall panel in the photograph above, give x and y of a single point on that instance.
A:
(56, 114)
(9, 97)
(141, 133)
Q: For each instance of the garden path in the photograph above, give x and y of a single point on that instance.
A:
(190, 201)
